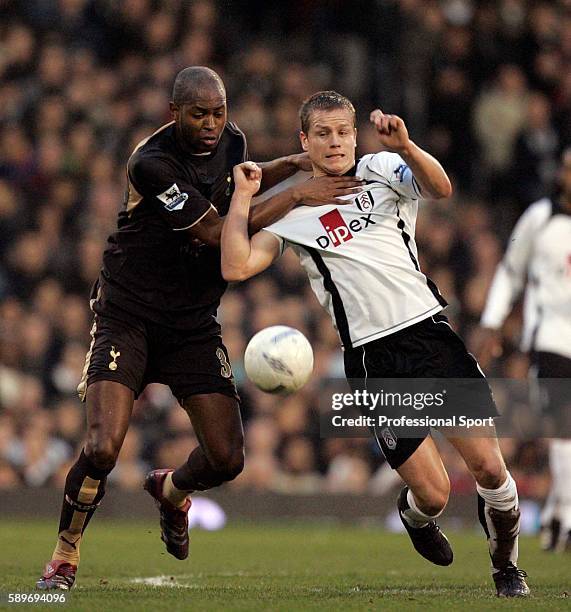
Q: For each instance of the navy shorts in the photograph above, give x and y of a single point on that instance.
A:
(551, 391)
(137, 352)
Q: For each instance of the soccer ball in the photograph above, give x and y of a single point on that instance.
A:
(279, 359)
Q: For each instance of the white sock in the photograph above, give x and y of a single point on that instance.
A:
(175, 496)
(504, 499)
(414, 516)
(561, 486)
(551, 507)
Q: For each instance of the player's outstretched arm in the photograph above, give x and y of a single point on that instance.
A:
(508, 283)
(242, 256)
(427, 171)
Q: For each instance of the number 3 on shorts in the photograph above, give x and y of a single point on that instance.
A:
(226, 369)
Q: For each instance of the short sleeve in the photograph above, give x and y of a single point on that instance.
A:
(178, 202)
(393, 171)
(510, 275)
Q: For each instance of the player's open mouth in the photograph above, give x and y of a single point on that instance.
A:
(209, 139)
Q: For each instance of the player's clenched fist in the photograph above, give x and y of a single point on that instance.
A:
(391, 129)
(247, 177)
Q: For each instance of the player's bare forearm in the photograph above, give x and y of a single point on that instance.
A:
(234, 241)
(322, 190)
(277, 170)
(241, 256)
(427, 171)
(209, 230)
(315, 192)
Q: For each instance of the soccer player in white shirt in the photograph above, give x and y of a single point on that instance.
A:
(362, 263)
(539, 259)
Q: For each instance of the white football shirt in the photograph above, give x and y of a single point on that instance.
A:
(361, 258)
(539, 252)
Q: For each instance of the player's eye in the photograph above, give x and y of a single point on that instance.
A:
(197, 115)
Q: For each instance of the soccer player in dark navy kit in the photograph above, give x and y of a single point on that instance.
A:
(155, 306)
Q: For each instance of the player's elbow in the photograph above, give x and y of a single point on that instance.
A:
(443, 189)
(212, 239)
(234, 274)
(208, 233)
(231, 276)
(446, 190)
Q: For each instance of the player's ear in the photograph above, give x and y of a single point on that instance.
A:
(175, 110)
(303, 140)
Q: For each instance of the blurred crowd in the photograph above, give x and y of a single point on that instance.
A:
(484, 86)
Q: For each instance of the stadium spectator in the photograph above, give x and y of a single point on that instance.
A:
(536, 152)
(499, 115)
(537, 258)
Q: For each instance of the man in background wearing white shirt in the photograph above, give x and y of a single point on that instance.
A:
(539, 258)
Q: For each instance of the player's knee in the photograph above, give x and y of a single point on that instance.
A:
(235, 466)
(229, 464)
(436, 502)
(434, 499)
(489, 472)
(102, 453)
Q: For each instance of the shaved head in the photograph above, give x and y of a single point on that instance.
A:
(194, 82)
(198, 107)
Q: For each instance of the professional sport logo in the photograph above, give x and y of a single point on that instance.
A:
(172, 198)
(338, 231)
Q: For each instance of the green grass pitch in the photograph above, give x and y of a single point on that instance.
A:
(287, 566)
